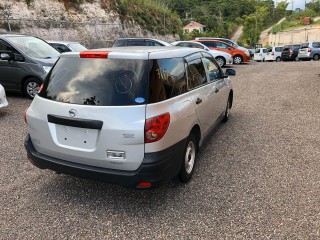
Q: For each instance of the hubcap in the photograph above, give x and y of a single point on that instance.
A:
(32, 88)
(237, 60)
(190, 157)
(220, 61)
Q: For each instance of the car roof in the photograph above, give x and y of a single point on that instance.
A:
(61, 42)
(5, 34)
(141, 52)
(153, 39)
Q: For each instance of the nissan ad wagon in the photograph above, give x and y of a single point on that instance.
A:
(131, 116)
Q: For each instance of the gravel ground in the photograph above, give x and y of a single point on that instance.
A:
(257, 177)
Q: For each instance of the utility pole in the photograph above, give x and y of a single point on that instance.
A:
(7, 12)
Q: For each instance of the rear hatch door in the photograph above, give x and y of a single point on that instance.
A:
(92, 111)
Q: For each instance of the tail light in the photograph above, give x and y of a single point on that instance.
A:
(291, 52)
(25, 115)
(272, 53)
(309, 49)
(156, 127)
(94, 54)
(40, 88)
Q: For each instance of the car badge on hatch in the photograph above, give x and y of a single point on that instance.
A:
(72, 112)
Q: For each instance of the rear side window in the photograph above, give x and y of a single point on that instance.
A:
(167, 79)
(136, 43)
(209, 44)
(152, 43)
(100, 82)
(316, 45)
(119, 43)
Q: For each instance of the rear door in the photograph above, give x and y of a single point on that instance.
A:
(92, 111)
(199, 89)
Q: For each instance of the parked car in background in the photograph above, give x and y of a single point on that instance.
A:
(260, 54)
(290, 52)
(238, 55)
(274, 54)
(66, 46)
(222, 58)
(309, 50)
(136, 119)
(226, 40)
(24, 62)
(3, 99)
(151, 42)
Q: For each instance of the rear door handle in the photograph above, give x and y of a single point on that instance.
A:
(199, 100)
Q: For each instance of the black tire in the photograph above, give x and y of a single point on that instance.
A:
(227, 111)
(237, 59)
(315, 57)
(189, 159)
(278, 59)
(31, 87)
(221, 61)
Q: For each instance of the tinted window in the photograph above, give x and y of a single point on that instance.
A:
(316, 44)
(264, 50)
(101, 82)
(269, 49)
(136, 43)
(305, 45)
(119, 43)
(257, 50)
(196, 73)
(195, 45)
(152, 43)
(209, 44)
(278, 49)
(167, 79)
(60, 47)
(286, 47)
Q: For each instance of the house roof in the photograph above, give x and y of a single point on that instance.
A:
(193, 24)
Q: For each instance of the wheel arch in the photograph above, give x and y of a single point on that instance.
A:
(24, 79)
(197, 133)
(231, 97)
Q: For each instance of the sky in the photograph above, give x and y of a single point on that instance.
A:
(296, 3)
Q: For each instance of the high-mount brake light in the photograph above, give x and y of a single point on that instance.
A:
(94, 54)
(156, 127)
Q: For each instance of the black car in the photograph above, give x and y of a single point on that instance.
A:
(151, 42)
(290, 52)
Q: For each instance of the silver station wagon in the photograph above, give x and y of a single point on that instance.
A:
(130, 116)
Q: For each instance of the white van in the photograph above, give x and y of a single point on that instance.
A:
(274, 54)
(260, 54)
(131, 116)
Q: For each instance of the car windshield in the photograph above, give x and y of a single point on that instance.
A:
(77, 47)
(100, 82)
(34, 47)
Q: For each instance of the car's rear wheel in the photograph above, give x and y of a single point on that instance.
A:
(278, 59)
(31, 87)
(315, 57)
(221, 61)
(189, 159)
(237, 59)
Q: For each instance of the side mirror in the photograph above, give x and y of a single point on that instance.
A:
(231, 72)
(6, 56)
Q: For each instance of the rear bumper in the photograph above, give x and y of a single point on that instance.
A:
(156, 168)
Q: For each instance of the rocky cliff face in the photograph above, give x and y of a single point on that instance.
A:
(93, 22)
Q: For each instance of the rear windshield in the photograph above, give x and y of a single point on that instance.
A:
(305, 45)
(100, 82)
(119, 43)
(296, 47)
(77, 47)
(278, 49)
